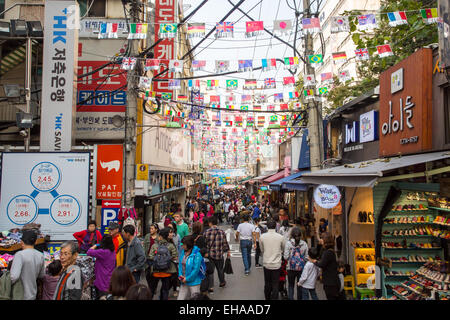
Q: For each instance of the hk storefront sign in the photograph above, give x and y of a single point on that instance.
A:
(327, 196)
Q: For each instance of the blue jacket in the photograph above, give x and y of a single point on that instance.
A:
(193, 263)
(256, 213)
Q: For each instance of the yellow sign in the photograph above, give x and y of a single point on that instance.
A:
(142, 172)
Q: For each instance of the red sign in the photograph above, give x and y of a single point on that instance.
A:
(164, 50)
(106, 87)
(111, 204)
(109, 171)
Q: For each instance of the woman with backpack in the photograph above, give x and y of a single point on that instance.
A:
(163, 256)
(295, 253)
(207, 284)
(191, 269)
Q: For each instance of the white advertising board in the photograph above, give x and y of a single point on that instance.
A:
(51, 189)
(327, 196)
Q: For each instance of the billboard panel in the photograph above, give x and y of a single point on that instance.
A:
(109, 171)
(51, 189)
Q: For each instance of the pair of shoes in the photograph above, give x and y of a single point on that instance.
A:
(222, 284)
(211, 291)
(247, 273)
(175, 293)
(258, 266)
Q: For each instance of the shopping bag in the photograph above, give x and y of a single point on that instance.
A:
(228, 269)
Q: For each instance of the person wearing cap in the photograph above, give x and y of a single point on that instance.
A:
(28, 265)
(120, 246)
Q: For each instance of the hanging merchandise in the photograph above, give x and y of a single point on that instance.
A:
(108, 30)
(291, 62)
(316, 60)
(326, 77)
(311, 25)
(245, 65)
(282, 27)
(196, 30)
(367, 22)
(278, 97)
(323, 90)
(138, 31)
(339, 57)
(397, 18)
(270, 83)
(174, 84)
(362, 54)
(128, 63)
(250, 84)
(429, 16)
(310, 80)
(194, 85)
(340, 24)
(222, 66)
(246, 98)
(384, 51)
(269, 64)
(176, 65)
(288, 81)
(232, 84)
(212, 84)
(198, 65)
(145, 82)
(253, 28)
(224, 29)
(293, 95)
(344, 76)
(167, 30)
(151, 64)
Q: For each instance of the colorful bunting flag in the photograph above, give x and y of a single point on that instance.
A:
(151, 64)
(214, 99)
(224, 29)
(222, 66)
(340, 24)
(230, 99)
(194, 84)
(270, 108)
(326, 77)
(145, 82)
(323, 90)
(315, 60)
(284, 106)
(168, 30)
(339, 57)
(182, 98)
(282, 27)
(253, 28)
(176, 65)
(166, 95)
(229, 106)
(212, 84)
(311, 25)
(269, 64)
(367, 22)
(246, 98)
(344, 76)
(260, 98)
(308, 93)
(244, 108)
(198, 65)
(174, 84)
(128, 63)
(250, 84)
(257, 107)
(293, 95)
(245, 65)
(397, 18)
(362, 54)
(138, 31)
(429, 16)
(261, 121)
(288, 81)
(384, 51)
(310, 80)
(232, 84)
(290, 62)
(108, 30)
(195, 30)
(278, 97)
(270, 83)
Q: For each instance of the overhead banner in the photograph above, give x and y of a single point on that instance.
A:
(327, 196)
(224, 173)
(51, 189)
(109, 171)
(59, 68)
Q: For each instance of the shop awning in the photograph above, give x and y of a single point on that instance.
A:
(280, 183)
(262, 177)
(275, 177)
(367, 173)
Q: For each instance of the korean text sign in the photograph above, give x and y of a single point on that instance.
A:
(51, 189)
(59, 68)
(109, 171)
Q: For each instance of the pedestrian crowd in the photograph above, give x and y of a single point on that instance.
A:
(182, 254)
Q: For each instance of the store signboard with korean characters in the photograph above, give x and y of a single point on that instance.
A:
(406, 106)
(51, 189)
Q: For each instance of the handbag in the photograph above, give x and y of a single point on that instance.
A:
(228, 269)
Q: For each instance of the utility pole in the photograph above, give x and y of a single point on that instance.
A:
(315, 124)
(131, 115)
(29, 53)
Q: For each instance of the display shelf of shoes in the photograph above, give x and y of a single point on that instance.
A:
(399, 295)
(441, 209)
(429, 287)
(362, 277)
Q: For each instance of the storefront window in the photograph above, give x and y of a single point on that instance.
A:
(447, 114)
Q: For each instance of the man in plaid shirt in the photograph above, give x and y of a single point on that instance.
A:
(217, 245)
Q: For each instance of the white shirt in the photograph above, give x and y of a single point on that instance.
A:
(246, 231)
(309, 276)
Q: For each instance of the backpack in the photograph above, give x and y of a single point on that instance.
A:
(297, 260)
(162, 258)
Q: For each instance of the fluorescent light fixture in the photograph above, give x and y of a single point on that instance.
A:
(12, 90)
(24, 120)
(19, 28)
(5, 28)
(35, 29)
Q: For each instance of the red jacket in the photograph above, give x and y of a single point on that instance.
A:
(80, 236)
